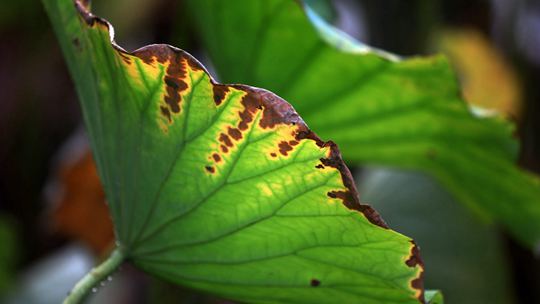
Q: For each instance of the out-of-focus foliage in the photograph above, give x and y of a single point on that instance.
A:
(488, 81)
(79, 208)
(380, 110)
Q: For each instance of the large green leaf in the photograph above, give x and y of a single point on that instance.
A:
(223, 188)
(379, 109)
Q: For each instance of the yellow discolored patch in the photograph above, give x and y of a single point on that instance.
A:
(140, 73)
(284, 143)
(177, 82)
(265, 189)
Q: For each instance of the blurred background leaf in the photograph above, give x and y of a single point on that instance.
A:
(74, 192)
(486, 78)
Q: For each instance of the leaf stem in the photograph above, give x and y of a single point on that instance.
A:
(99, 273)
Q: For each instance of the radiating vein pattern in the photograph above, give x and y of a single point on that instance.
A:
(223, 187)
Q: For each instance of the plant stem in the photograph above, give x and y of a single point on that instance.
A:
(94, 277)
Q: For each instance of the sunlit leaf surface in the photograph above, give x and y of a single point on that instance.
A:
(223, 188)
(379, 109)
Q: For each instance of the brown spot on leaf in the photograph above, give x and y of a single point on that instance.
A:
(171, 83)
(224, 149)
(210, 169)
(235, 133)
(416, 260)
(319, 166)
(350, 196)
(175, 85)
(273, 154)
(250, 103)
(284, 148)
(225, 139)
(175, 74)
(371, 214)
(192, 62)
(276, 110)
(166, 113)
(315, 283)
(220, 91)
(216, 157)
(350, 202)
(77, 44)
(157, 52)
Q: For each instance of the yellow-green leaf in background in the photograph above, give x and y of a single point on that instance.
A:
(488, 81)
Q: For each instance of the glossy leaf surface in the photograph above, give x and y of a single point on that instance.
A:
(223, 188)
(380, 109)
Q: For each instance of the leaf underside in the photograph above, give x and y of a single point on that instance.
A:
(380, 110)
(223, 188)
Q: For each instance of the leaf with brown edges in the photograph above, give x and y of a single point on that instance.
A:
(223, 188)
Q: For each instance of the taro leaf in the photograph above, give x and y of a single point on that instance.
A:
(223, 188)
(379, 109)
